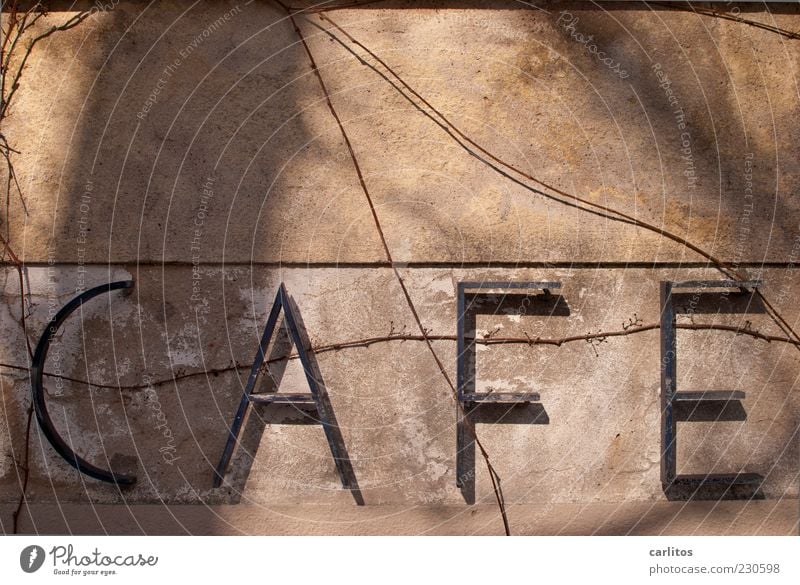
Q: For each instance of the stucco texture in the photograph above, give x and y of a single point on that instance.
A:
(189, 147)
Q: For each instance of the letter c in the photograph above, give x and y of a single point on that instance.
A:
(37, 389)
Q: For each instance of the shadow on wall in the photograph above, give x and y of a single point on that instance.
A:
(182, 119)
(189, 117)
(546, 305)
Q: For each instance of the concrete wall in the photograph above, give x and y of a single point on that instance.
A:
(198, 157)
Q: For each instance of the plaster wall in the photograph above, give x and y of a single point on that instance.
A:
(189, 147)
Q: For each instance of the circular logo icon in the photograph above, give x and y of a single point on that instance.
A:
(31, 558)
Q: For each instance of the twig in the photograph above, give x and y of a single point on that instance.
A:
(16, 28)
(595, 339)
(26, 474)
(6, 151)
(689, 7)
(368, 341)
(23, 323)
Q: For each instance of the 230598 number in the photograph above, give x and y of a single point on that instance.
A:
(755, 568)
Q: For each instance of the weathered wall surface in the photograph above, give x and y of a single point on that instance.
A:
(198, 157)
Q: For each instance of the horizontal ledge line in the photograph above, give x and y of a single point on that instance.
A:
(512, 285)
(450, 265)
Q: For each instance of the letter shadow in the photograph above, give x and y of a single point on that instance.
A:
(709, 410)
(713, 487)
(482, 303)
(742, 486)
(711, 302)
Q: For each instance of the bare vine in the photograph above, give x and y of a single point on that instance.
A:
(21, 30)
